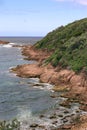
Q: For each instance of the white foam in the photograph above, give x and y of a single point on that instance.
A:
(24, 114)
(11, 43)
(44, 86)
(8, 45)
(26, 118)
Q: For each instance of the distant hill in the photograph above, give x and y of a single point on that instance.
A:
(68, 44)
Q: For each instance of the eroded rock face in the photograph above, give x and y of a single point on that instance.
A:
(34, 54)
(76, 84)
(4, 42)
(48, 73)
(28, 70)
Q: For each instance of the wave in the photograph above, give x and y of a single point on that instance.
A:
(26, 119)
(44, 86)
(24, 114)
(8, 45)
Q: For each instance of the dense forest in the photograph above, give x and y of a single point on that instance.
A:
(69, 46)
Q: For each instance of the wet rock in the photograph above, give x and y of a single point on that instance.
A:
(41, 116)
(55, 122)
(17, 46)
(53, 116)
(66, 111)
(60, 88)
(53, 128)
(34, 125)
(60, 115)
(65, 120)
(83, 107)
(57, 108)
(74, 99)
(65, 103)
(53, 96)
(75, 119)
(39, 84)
(65, 127)
(77, 111)
(42, 127)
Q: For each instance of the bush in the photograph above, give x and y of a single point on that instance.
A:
(68, 44)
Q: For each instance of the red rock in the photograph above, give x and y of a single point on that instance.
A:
(30, 70)
(3, 42)
(47, 73)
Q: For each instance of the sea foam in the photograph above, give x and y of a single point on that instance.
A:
(8, 45)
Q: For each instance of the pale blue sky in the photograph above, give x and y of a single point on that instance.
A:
(38, 17)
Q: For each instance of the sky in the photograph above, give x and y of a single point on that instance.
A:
(38, 17)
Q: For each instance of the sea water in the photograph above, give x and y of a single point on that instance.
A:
(20, 97)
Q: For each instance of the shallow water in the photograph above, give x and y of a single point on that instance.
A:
(17, 94)
(21, 98)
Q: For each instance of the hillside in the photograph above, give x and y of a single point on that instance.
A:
(66, 49)
(69, 46)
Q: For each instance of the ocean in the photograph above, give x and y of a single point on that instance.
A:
(22, 40)
(21, 98)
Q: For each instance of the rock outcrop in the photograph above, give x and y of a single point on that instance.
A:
(4, 42)
(63, 79)
(48, 73)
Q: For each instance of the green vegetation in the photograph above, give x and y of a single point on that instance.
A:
(68, 44)
(14, 125)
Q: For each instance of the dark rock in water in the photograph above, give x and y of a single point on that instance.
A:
(53, 96)
(17, 45)
(39, 84)
(34, 125)
(65, 103)
(55, 122)
(42, 127)
(53, 116)
(77, 111)
(60, 115)
(41, 116)
(65, 120)
(83, 107)
(65, 112)
(65, 127)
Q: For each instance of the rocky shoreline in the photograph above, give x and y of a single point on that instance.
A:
(67, 80)
(4, 42)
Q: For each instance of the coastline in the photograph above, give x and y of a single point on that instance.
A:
(62, 79)
(3, 42)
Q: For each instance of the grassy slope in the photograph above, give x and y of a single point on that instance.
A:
(69, 45)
